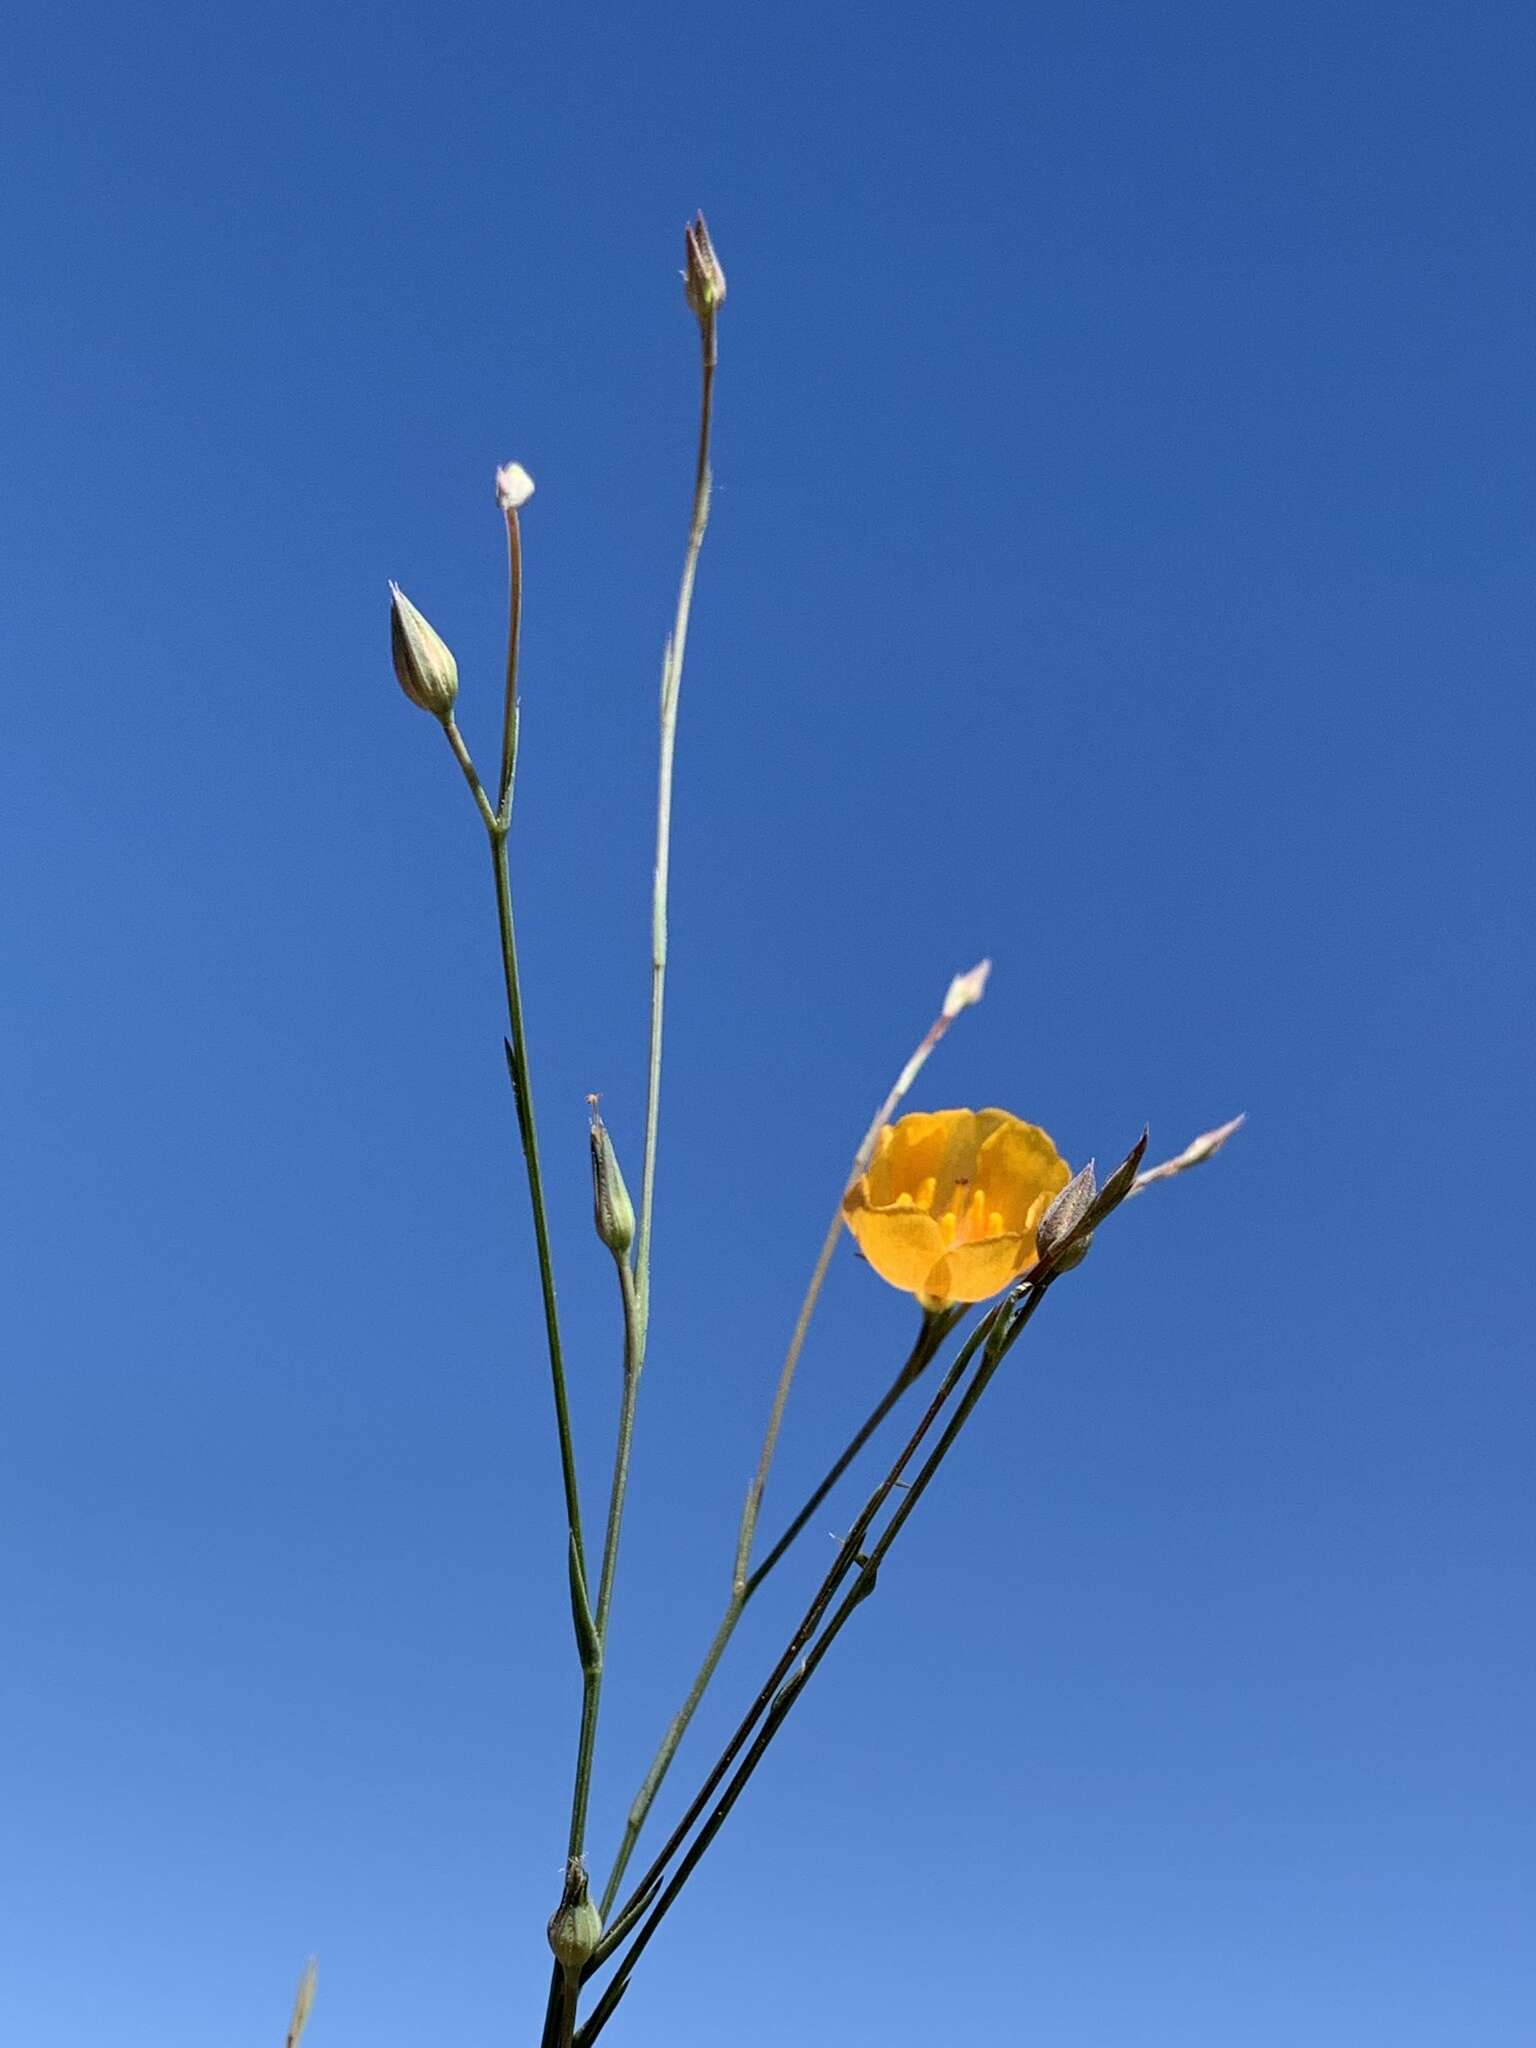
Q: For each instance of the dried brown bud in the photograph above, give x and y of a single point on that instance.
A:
(1063, 1217)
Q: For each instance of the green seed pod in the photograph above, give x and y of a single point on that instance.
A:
(576, 1926)
(612, 1211)
(424, 664)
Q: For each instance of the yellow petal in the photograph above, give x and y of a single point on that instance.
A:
(972, 1272)
(903, 1245)
(1017, 1163)
(913, 1150)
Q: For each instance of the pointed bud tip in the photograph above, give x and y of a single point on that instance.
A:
(703, 274)
(967, 989)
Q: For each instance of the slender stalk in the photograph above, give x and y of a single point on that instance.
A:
(560, 2012)
(935, 1329)
(522, 1091)
(782, 1690)
(671, 684)
(592, 1686)
(933, 1332)
(461, 754)
(522, 1096)
(509, 721)
(632, 1364)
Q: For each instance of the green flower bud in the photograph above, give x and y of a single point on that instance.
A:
(612, 1211)
(576, 1926)
(425, 666)
(703, 277)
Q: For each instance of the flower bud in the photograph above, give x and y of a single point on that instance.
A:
(425, 666)
(612, 1210)
(966, 989)
(576, 1926)
(1063, 1217)
(703, 277)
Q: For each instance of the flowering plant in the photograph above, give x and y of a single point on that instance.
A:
(958, 1208)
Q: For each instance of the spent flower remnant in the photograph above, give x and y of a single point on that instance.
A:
(948, 1206)
(514, 487)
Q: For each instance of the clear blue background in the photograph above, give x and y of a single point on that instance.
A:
(1122, 566)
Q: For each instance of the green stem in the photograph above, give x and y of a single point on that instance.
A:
(592, 1670)
(467, 767)
(935, 1329)
(671, 683)
(522, 1094)
(788, 1680)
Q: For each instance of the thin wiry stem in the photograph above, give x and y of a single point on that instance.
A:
(509, 722)
(522, 1097)
(847, 1554)
(560, 2011)
(803, 1653)
(671, 684)
(930, 1336)
(592, 1677)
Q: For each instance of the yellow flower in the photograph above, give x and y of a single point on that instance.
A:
(949, 1204)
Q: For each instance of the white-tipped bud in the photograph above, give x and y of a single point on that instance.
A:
(514, 487)
(1206, 1146)
(966, 989)
(424, 663)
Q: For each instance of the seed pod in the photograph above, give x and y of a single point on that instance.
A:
(575, 1926)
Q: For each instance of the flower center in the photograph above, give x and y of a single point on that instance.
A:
(965, 1220)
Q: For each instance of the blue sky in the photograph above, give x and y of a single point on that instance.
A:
(1121, 565)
